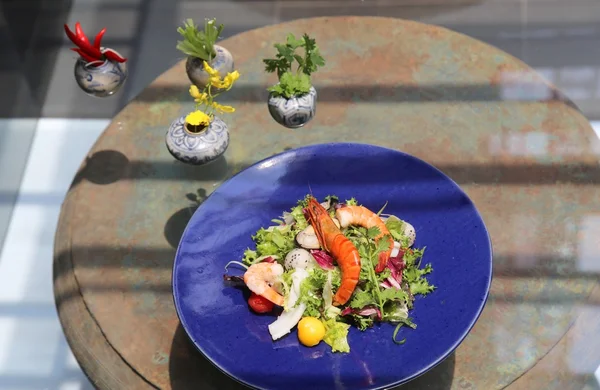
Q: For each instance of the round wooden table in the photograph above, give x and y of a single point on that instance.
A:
(524, 154)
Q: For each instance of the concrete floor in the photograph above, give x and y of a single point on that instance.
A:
(38, 157)
(34, 354)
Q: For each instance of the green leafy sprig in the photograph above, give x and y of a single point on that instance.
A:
(197, 43)
(369, 250)
(294, 83)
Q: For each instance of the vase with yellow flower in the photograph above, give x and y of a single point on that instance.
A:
(201, 136)
(200, 47)
(293, 100)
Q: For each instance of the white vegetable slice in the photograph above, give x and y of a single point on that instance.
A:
(278, 227)
(328, 292)
(288, 218)
(396, 249)
(286, 321)
(330, 310)
(290, 317)
(297, 278)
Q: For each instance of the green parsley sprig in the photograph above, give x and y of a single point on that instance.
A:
(298, 82)
(369, 250)
(391, 302)
(198, 43)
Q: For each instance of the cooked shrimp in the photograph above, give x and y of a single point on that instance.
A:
(362, 216)
(260, 276)
(341, 249)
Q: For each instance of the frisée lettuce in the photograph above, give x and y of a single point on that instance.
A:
(306, 275)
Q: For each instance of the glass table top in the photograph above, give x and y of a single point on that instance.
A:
(518, 146)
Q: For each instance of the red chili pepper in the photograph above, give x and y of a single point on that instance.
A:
(71, 36)
(82, 42)
(80, 34)
(260, 304)
(111, 55)
(98, 38)
(85, 57)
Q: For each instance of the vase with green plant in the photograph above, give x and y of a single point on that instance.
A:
(292, 101)
(201, 136)
(199, 47)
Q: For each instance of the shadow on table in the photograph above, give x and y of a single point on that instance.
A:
(177, 223)
(109, 166)
(531, 91)
(188, 368)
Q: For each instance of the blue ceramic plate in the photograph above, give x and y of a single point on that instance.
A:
(216, 316)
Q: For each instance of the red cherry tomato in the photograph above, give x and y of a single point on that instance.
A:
(260, 304)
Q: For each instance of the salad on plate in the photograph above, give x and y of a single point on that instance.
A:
(333, 265)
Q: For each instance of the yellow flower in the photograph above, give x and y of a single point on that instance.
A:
(197, 118)
(211, 72)
(195, 92)
(202, 98)
(231, 78)
(221, 108)
(216, 82)
(199, 97)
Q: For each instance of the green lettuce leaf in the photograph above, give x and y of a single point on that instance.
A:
(291, 85)
(274, 242)
(422, 287)
(311, 291)
(352, 202)
(396, 228)
(415, 276)
(336, 335)
(395, 311)
(393, 294)
(362, 323)
(361, 299)
(250, 256)
(298, 214)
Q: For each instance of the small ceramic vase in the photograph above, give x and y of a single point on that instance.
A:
(194, 67)
(197, 148)
(293, 112)
(103, 80)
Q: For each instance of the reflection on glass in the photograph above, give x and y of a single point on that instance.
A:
(536, 144)
(524, 86)
(588, 259)
(583, 351)
(526, 241)
(267, 164)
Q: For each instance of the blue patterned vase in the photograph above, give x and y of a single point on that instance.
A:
(103, 80)
(194, 67)
(293, 112)
(197, 148)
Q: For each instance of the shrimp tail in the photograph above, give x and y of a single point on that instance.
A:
(260, 276)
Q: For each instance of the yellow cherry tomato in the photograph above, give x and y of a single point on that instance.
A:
(310, 331)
